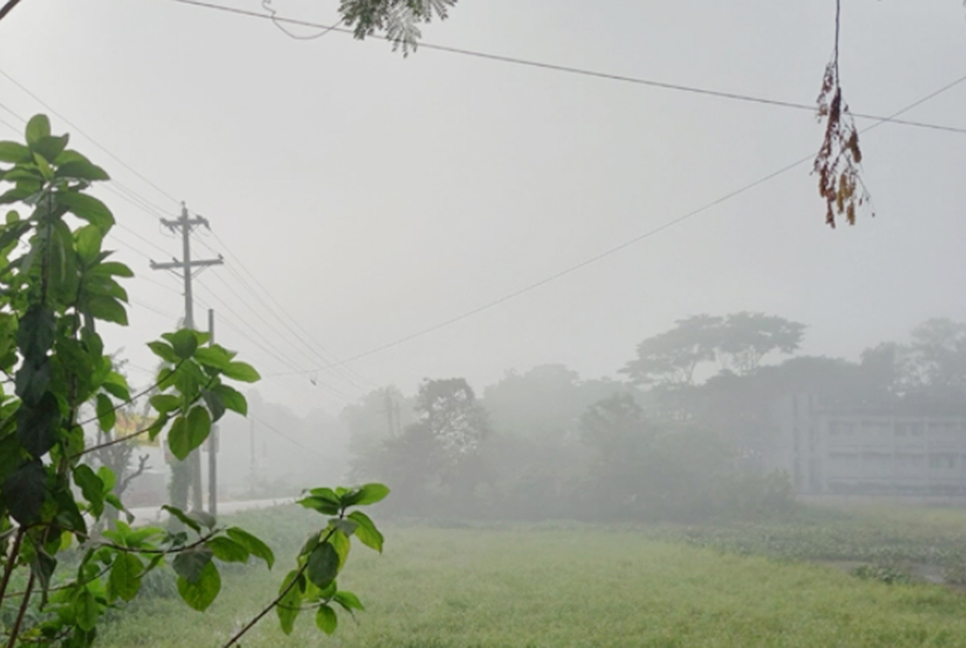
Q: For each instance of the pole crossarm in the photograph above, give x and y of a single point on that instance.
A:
(181, 265)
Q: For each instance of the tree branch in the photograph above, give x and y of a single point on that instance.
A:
(11, 561)
(278, 599)
(15, 631)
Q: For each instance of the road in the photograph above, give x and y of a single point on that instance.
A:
(154, 514)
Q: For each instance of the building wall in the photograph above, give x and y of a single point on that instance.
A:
(884, 451)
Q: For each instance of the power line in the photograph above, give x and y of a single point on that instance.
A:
(344, 375)
(721, 94)
(633, 241)
(293, 441)
(267, 347)
(92, 140)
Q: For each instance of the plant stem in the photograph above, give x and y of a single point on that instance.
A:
(15, 632)
(11, 561)
(267, 609)
(281, 595)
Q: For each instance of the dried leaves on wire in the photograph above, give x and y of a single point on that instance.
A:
(838, 161)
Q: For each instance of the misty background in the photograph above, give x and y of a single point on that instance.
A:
(360, 197)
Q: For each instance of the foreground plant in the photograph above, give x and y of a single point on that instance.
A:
(57, 577)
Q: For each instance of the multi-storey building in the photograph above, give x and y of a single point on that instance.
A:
(894, 449)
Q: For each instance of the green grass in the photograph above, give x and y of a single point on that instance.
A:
(565, 585)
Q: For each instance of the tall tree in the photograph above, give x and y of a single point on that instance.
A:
(746, 338)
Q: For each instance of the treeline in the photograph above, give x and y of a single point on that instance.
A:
(689, 434)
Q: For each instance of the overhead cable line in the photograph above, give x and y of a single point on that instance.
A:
(633, 241)
(91, 139)
(721, 94)
(265, 346)
(344, 374)
(293, 441)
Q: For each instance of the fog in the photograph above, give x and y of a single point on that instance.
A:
(377, 196)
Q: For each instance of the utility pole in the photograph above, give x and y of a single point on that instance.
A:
(186, 268)
(212, 439)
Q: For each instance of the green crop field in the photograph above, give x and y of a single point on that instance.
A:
(559, 585)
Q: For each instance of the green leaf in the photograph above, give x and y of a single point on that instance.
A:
(116, 385)
(370, 494)
(37, 128)
(289, 605)
(50, 146)
(320, 504)
(366, 531)
(184, 343)
(38, 425)
(348, 600)
(106, 413)
(108, 309)
(165, 403)
(35, 335)
(86, 610)
(89, 240)
(323, 565)
(228, 550)
(87, 208)
(179, 439)
(81, 170)
(326, 619)
(32, 380)
(204, 518)
(13, 152)
(199, 426)
(191, 563)
(241, 371)
(183, 517)
(199, 595)
(163, 351)
(214, 403)
(214, 356)
(232, 399)
(125, 578)
(108, 477)
(340, 542)
(113, 269)
(255, 546)
(91, 487)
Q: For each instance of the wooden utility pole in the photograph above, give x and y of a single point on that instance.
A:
(185, 267)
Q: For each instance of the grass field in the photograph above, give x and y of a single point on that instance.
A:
(570, 585)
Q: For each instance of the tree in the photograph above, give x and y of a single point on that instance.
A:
(739, 341)
(448, 411)
(670, 358)
(57, 284)
(746, 338)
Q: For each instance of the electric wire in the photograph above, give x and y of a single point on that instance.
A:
(273, 351)
(345, 375)
(293, 441)
(124, 164)
(633, 241)
(721, 94)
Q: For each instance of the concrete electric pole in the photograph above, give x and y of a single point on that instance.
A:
(186, 267)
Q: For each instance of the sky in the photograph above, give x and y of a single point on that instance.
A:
(360, 197)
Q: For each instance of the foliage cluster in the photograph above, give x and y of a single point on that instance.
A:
(59, 575)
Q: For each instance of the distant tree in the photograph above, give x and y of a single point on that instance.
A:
(744, 339)
(448, 411)
(379, 415)
(738, 342)
(544, 403)
(937, 355)
(670, 358)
